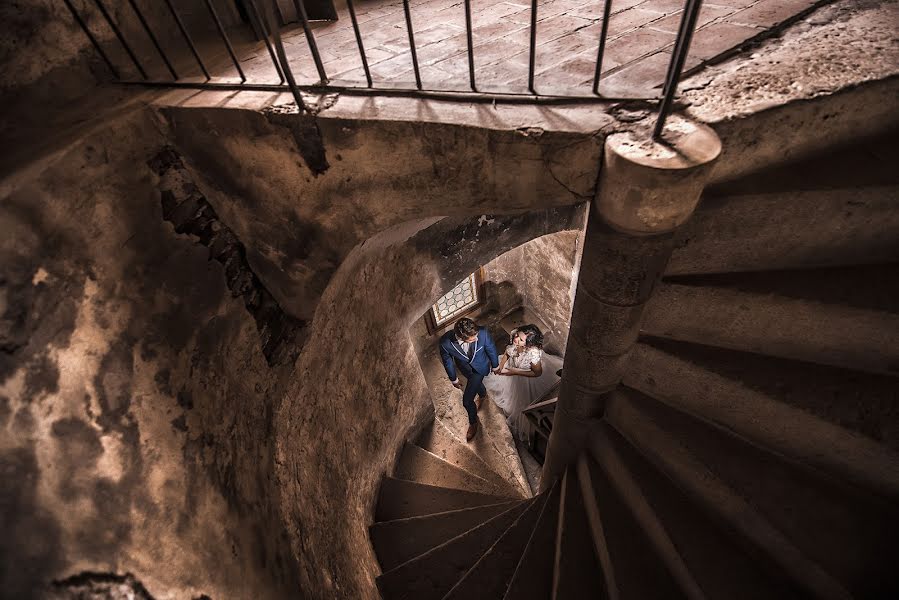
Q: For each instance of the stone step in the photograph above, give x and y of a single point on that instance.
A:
(490, 576)
(775, 508)
(864, 161)
(864, 286)
(829, 334)
(431, 575)
(439, 441)
(401, 499)
(811, 414)
(721, 565)
(638, 558)
(576, 571)
(789, 230)
(533, 577)
(398, 541)
(417, 464)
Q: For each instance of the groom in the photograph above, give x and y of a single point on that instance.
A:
(470, 349)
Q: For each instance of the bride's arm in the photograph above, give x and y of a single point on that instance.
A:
(535, 371)
(502, 363)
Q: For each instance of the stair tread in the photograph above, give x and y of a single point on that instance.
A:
(772, 506)
(577, 572)
(432, 574)
(440, 442)
(490, 575)
(722, 567)
(864, 161)
(799, 410)
(533, 575)
(417, 464)
(638, 571)
(398, 541)
(398, 499)
(843, 336)
(847, 286)
(792, 229)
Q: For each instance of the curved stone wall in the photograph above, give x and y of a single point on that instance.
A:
(139, 412)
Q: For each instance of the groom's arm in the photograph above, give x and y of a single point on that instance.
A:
(448, 363)
(490, 349)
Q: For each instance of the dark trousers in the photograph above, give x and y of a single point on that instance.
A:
(474, 385)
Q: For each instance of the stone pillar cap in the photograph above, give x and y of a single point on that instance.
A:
(685, 145)
(648, 187)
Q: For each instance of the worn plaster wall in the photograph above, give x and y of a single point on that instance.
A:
(136, 404)
(538, 276)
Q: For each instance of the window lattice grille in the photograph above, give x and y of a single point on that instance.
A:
(456, 301)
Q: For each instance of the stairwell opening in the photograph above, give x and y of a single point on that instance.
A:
(531, 283)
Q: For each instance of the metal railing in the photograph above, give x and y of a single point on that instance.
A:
(265, 20)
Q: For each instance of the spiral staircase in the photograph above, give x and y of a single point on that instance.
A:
(751, 450)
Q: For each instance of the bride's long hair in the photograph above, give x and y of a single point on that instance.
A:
(533, 336)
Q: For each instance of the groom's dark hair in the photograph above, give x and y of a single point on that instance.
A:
(465, 328)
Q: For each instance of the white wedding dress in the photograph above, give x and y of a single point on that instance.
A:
(514, 393)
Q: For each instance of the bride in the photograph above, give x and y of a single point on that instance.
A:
(525, 375)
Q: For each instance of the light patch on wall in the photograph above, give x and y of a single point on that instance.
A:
(110, 462)
(40, 276)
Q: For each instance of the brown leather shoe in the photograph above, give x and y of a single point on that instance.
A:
(472, 431)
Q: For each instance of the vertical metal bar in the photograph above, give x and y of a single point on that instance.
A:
(310, 40)
(532, 59)
(281, 20)
(468, 35)
(682, 32)
(285, 64)
(146, 26)
(121, 38)
(412, 43)
(603, 35)
(224, 36)
(349, 5)
(93, 40)
(678, 58)
(186, 35)
(254, 15)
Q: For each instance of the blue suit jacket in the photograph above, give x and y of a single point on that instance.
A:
(482, 360)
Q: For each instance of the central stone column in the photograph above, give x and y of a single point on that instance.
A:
(646, 191)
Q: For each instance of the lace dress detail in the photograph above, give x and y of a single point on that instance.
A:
(514, 393)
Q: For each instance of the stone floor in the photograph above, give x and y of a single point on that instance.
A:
(640, 38)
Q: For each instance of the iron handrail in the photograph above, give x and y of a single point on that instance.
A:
(268, 22)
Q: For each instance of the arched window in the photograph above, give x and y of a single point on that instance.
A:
(462, 299)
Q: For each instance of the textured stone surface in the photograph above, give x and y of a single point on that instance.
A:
(296, 231)
(793, 84)
(139, 404)
(541, 275)
(97, 586)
